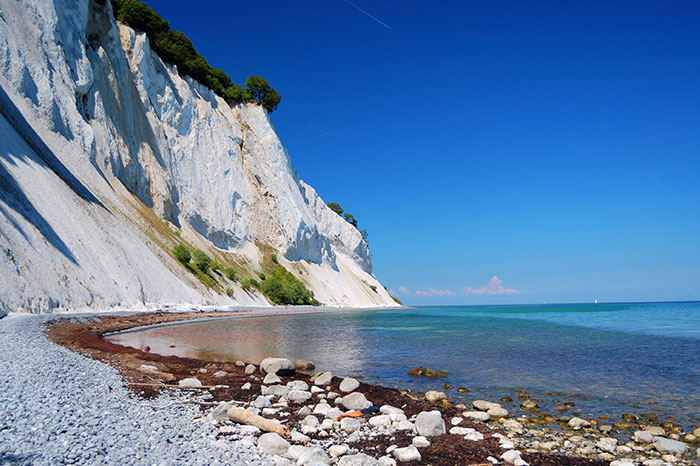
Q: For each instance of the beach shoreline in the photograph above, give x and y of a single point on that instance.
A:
(532, 439)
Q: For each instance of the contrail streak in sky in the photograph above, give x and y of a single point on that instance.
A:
(363, 11)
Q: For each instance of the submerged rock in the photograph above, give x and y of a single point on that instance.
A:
(304, 365)
(427, 372)
(664, 445)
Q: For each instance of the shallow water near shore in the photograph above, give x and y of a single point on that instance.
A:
(609, 359)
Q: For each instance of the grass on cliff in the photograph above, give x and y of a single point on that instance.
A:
(175, 47)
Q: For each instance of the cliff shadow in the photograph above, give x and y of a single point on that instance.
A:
(12, 194)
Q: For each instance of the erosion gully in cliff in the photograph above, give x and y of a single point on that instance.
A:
(110, 158)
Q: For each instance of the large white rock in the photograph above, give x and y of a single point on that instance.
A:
(355, 400)
(323, 379)
(513, 457)
(665, 445)
(279, 366)
(118, 141)
(272, 444)
(349, 384)
(430, 423)
(313, 456)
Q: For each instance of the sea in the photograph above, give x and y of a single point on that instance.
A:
(608, 359)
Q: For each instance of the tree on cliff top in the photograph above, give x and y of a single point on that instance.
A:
(262, 92)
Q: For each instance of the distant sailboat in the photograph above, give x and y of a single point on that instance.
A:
(595, 301)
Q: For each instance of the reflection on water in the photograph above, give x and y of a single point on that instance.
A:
(493, 351)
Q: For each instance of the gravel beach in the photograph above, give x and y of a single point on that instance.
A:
(58, 407)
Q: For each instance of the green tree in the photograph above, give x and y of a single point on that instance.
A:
(201, 260)
(182, 254)
(215, 266)
(335, 207)
(262, 92)
(351, 219)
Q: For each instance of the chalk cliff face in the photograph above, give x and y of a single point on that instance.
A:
(108, 158)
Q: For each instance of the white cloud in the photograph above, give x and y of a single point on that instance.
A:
(493, 287)
(433, 292)
(429, 292)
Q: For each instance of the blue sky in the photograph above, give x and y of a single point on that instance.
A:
(552, 145)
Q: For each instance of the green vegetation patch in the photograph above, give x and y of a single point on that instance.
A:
(281, 287)
(350, 218)
(175, 47)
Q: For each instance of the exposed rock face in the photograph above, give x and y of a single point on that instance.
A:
(103, 143)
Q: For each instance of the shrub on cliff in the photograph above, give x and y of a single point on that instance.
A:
(281, 287)
(181, 253)
(230, 273)
(201, 260)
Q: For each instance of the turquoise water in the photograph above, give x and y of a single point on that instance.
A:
(606, 358)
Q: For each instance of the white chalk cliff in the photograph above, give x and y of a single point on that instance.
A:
(108, 158)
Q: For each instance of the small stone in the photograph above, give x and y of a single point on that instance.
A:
(314, 456)
(605, 428)
(497, 412)
(148, 367)
(475, 436)
(271, 378)
(513, 426)
(355, 400)
(455, 421)
(607, 444)
(323, 379)
(482, 405)
(513, 457)
(298, 385)
(249, 369)
(404, 425)
(298, 437)
(690, 438)
(386, 461)
(220, 374)
(420, 442)
(272, 444)
(338, 450)
(240, 363)
(202, 370)
(642, 436)
(262, 402)
(315, 389)
(406, 454)
(577, 422)
(435, 396)
(350, 424)
(359, 459)
(298, 396)
(294, 452)
(327, 424)
(477, 416)
(664, 445)
(190, 382)
(349, 384)
(304, 365)
(276, 390)
(219, 414)
(246, 386)
(669, 459)
(656, 431)
(381, 420)
(530, 405)
(430, 423)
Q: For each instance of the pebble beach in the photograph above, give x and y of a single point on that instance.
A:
(51, 416)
